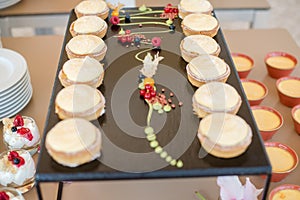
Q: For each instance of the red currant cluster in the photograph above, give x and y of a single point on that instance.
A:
(148, 93)
(25, 132)
(4, 196)
(171, 9)
(170, 12)
(15, 158)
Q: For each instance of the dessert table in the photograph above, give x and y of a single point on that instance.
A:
(34, 7)
(43, 64)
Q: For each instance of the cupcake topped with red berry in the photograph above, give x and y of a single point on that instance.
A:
(17, 168)
(21, 132)
(7, 193)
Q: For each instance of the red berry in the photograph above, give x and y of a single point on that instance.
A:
(25, 132)
(123, 39)
(12, 155)
(22, 162)
(129, 39)
(29, 136)
(18, 121)
(147, 96)
(167, 10)
(174, 10)
(142, 93)
(4, 196)
(169, 5)
(148, 87)
(153, 93)
(127, 32)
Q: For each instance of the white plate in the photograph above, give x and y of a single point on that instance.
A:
(8, 3)
(13, 93)
(13, 67)
(5, 108)
(7, 92)
(18, 108)
(15, 97)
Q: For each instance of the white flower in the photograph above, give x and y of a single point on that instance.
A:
(232, 189)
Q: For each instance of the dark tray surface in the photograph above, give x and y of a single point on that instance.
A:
(115, 164)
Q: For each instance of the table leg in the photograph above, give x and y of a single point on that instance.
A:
(60, 190)
(39, 191)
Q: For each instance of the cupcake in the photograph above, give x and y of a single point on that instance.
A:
(21, 132)
(73, 142)
(207, 68)
(96, 7)
(17, 169)
(81, 101)
(224, 135)
(89, 25)
(195, 45)
(81, 71)
(200, 24)
(86, 45)
(216, 97)
(186, 7)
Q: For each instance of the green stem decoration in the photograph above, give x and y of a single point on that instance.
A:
(149, 112)
(147, 12)
(144, 32)
(199, 196)
(138, 23)
(140, 17)
(139, 59)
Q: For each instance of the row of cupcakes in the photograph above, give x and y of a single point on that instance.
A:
(221, 132)
(80, 102)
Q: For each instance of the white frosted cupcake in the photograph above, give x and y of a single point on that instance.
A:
(73, 142)
(82, 71)
(207, 68)
(89, 25)
(186, 7)
(195, 24)
(216, 97)
(17, 169)
(86, 45)
(95, 7)
(195, 45)
(79, 100)
(21, 132)
(224, 135)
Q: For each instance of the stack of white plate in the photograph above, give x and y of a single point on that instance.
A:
(15, 84)
(7, 3)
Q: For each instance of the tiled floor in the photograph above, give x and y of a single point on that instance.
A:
(283, 14)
